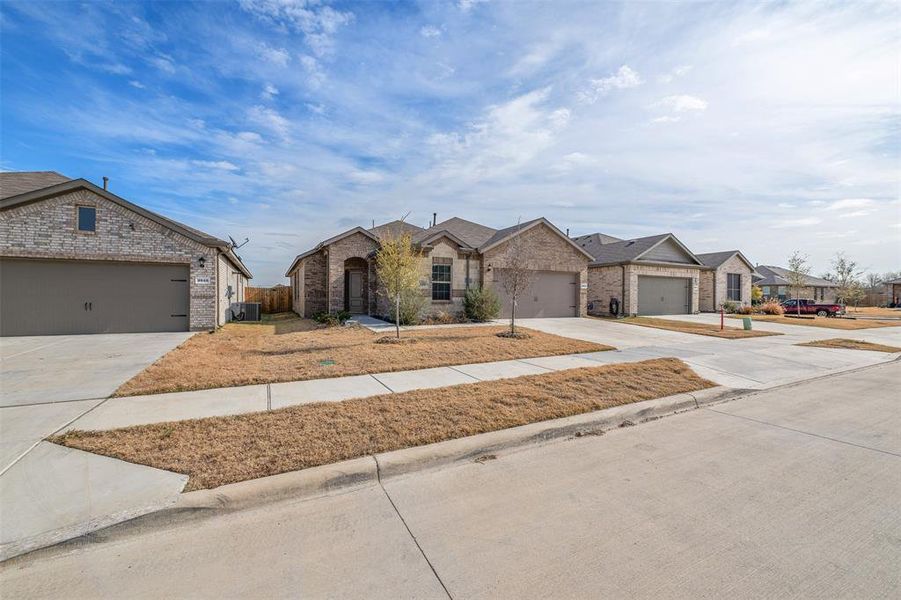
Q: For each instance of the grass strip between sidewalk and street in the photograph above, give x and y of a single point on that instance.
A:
(296, 349)
(825, 322)
(216, 451)
(729, 333)
(846, 344)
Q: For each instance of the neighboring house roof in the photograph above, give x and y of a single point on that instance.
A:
(472, 234)
(22, 182)
(633, 250)
(70, 185)
(893, 281)
(395, 228)
(778, 276)
(593, 241)
(715, 259)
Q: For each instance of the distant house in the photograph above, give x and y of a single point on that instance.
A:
(774, 283)
(76, 258)
(893, 287)
(659, 275)
(339, 272)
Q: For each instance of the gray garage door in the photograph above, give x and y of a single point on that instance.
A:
(552, 294)
(43, 297)
(664, 295)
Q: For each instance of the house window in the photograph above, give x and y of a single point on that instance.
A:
(733, 286)
(441, 278)
(766, 291)
(87, 218)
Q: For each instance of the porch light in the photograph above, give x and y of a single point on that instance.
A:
(201, 261)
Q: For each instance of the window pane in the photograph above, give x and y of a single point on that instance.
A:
(87, 218)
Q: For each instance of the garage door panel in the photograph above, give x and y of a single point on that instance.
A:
(552, 294)
(664, 295)
(41, 297)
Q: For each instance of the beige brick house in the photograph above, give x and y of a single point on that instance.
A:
(339, 273)
(774, 282)
(76, 258)
(659, 275)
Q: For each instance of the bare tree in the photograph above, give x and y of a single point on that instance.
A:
(798, 270)
(515, 277)
(397, 267)
(873, 281)
(846, 276)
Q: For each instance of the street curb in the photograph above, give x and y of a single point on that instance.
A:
(369, 470)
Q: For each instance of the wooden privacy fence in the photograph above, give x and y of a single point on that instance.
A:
(273, 300)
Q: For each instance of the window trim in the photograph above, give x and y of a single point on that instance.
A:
(78, 228)
(442, 263)
(733, 293)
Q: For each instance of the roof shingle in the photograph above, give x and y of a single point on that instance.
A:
(22, 182)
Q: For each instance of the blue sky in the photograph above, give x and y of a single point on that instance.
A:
(765, 127)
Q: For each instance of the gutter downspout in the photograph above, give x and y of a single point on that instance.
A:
(622, 304)
(467, 271)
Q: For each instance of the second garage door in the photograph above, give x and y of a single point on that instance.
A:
(664, 295)
(47, 297)
(552, 294)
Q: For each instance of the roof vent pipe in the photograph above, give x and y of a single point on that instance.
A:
(434, 219)
(105, 182)
(567, 232)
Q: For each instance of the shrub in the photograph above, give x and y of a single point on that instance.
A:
(412, 303)
(729, 306)
(772, 307)
(745, 310)
(442, 317)
(332, 319)
(481, 304)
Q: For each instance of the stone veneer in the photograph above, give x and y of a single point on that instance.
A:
(47, 229)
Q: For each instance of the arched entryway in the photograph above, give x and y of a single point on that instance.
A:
(356, 285)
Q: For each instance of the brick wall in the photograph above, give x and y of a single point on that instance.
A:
(314, 281)
(543, 250)
(706, 301)
(47, 229)
(634, 270)
(227, 275)
(353, 246)
(604, 283)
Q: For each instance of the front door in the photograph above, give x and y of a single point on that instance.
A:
(355, 292)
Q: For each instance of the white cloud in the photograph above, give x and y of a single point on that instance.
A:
(269, 92)
(365, 177)
(136, 84)
(850, 203)
(270, 119)
(624, 78)
(559, 118)
(318, 22)
(220, 165)
(676, 73)
(276, 56)
(429, 31)
(802, 222)
(468, 5)
(163, 63)
(682, 104)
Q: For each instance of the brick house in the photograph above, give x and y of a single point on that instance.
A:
(774, 282)
(659, 275)
(456, 254)
(75, 258)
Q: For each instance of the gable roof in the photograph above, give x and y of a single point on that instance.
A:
(395, 228)
(22, 182)
(633, 250)
(503, 235)
(592, 241)
(331, 240)
(71, 185)
(715, 259)
(772, 275)
(472, 234)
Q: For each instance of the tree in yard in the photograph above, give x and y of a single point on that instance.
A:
(397, 267)
(845, 275)
(516, 278)
(798, 270)
(756, 294)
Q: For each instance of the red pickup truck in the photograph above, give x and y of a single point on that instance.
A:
(809, 307)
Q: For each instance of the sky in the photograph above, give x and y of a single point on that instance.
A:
(764, 127)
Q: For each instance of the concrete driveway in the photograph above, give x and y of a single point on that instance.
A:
(790, 492)
(42, 369)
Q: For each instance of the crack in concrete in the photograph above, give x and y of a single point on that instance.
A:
(378, 475)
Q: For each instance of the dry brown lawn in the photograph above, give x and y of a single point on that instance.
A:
(827, 322)
(874, 311)
(730, 333)
(847, 344)
(294, 349)
(220, 450)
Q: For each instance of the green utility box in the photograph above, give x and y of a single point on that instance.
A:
(747, 322)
